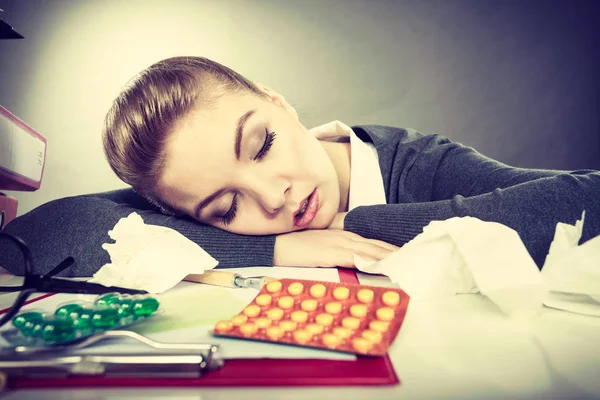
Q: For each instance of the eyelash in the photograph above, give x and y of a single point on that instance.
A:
(230, 215)
(269, 139)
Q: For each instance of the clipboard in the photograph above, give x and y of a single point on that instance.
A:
(364, 371)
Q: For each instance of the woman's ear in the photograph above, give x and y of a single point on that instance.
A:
(278, 99)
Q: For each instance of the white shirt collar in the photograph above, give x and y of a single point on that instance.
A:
(366, 183)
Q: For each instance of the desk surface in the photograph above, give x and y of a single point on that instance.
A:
(460, 347)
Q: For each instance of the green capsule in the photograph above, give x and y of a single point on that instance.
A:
(107, 300)
(125, 303)
(38, 328)
(32, 316)
(57, 330)
(27, 321)
(69, 311)
(105, 318)
(28, 327)
(84, 319)
(124, 312)
(145, 306)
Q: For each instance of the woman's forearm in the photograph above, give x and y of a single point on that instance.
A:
(78, 226)
(532, 208)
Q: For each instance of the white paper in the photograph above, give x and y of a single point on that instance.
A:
(149, 257)
(196, 327)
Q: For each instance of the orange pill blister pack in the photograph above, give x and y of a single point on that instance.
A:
(343, 317)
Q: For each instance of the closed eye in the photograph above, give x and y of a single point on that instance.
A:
(269, 138)
(230, 214)
(264, 150)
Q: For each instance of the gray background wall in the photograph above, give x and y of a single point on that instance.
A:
(517, 80)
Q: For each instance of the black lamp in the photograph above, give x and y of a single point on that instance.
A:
(7, 31)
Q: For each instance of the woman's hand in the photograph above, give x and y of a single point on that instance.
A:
(326, 248)
(338, 221)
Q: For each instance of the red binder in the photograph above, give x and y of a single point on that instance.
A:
(252, 372)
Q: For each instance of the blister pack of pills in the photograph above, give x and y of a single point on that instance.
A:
(335, 316)
(77, 320)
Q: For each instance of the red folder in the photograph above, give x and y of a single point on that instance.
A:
(253, 372)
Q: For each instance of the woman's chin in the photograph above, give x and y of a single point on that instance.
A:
(322, 222)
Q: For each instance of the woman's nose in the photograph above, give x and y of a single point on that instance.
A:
(273, 195)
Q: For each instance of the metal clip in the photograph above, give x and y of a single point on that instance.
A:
(172, 359)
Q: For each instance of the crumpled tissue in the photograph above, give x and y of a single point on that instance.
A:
(149, 257)
(572, 271)
(467, 255)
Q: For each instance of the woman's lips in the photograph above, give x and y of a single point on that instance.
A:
(311, 211)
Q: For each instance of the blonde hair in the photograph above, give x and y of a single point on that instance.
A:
(141, 118)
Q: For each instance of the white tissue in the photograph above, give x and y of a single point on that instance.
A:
(467, 255)
(428, 266)
(148, 257)
(572, 272)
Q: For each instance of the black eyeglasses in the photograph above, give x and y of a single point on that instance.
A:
(47, 283)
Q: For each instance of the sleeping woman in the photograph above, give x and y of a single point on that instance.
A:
(227, 162)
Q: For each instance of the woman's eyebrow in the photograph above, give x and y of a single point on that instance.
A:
(240, 129)
(206, 202)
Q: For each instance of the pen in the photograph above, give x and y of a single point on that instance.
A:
(229, 279)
